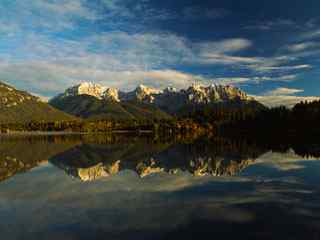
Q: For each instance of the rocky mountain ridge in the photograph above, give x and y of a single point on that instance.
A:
(194, 94)
(90, 100)
(197, 94)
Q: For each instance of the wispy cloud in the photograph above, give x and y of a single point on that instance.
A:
(223, 59)
(254, 79)
(283, 91)
(302, 46)
(314, 33)
(221, 52)
(279, 78)
(268, 25)
(225, 46)
(45, 15)
(121, 50)
(298, 47)
(263, 68)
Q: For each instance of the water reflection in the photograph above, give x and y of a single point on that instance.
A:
(215, 157)
(264, 191)
(92, 157)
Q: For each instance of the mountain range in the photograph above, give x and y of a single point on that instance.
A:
(94, 101)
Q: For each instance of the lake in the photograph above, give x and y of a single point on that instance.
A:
(146, 187)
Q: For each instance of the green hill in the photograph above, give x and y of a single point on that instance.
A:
(21, 107)
(90, 107)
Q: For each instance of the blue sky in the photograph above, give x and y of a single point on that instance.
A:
(264, 47)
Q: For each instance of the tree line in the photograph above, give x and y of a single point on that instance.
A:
(160, 126)
(241, 120)
(302, 120)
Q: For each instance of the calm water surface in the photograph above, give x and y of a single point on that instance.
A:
(117, 187)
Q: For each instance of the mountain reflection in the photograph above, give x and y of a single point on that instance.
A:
(91, 157)
(216, 157)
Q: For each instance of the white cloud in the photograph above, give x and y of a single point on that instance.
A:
(302, 46)
(289, 101)
(283, 91)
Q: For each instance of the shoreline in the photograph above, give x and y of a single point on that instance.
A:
(57, 133)
(39, 133)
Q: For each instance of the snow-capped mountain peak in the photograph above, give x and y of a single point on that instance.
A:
(86, 88)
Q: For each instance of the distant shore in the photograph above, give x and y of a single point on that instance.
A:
(57, 133)
(39, 133)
